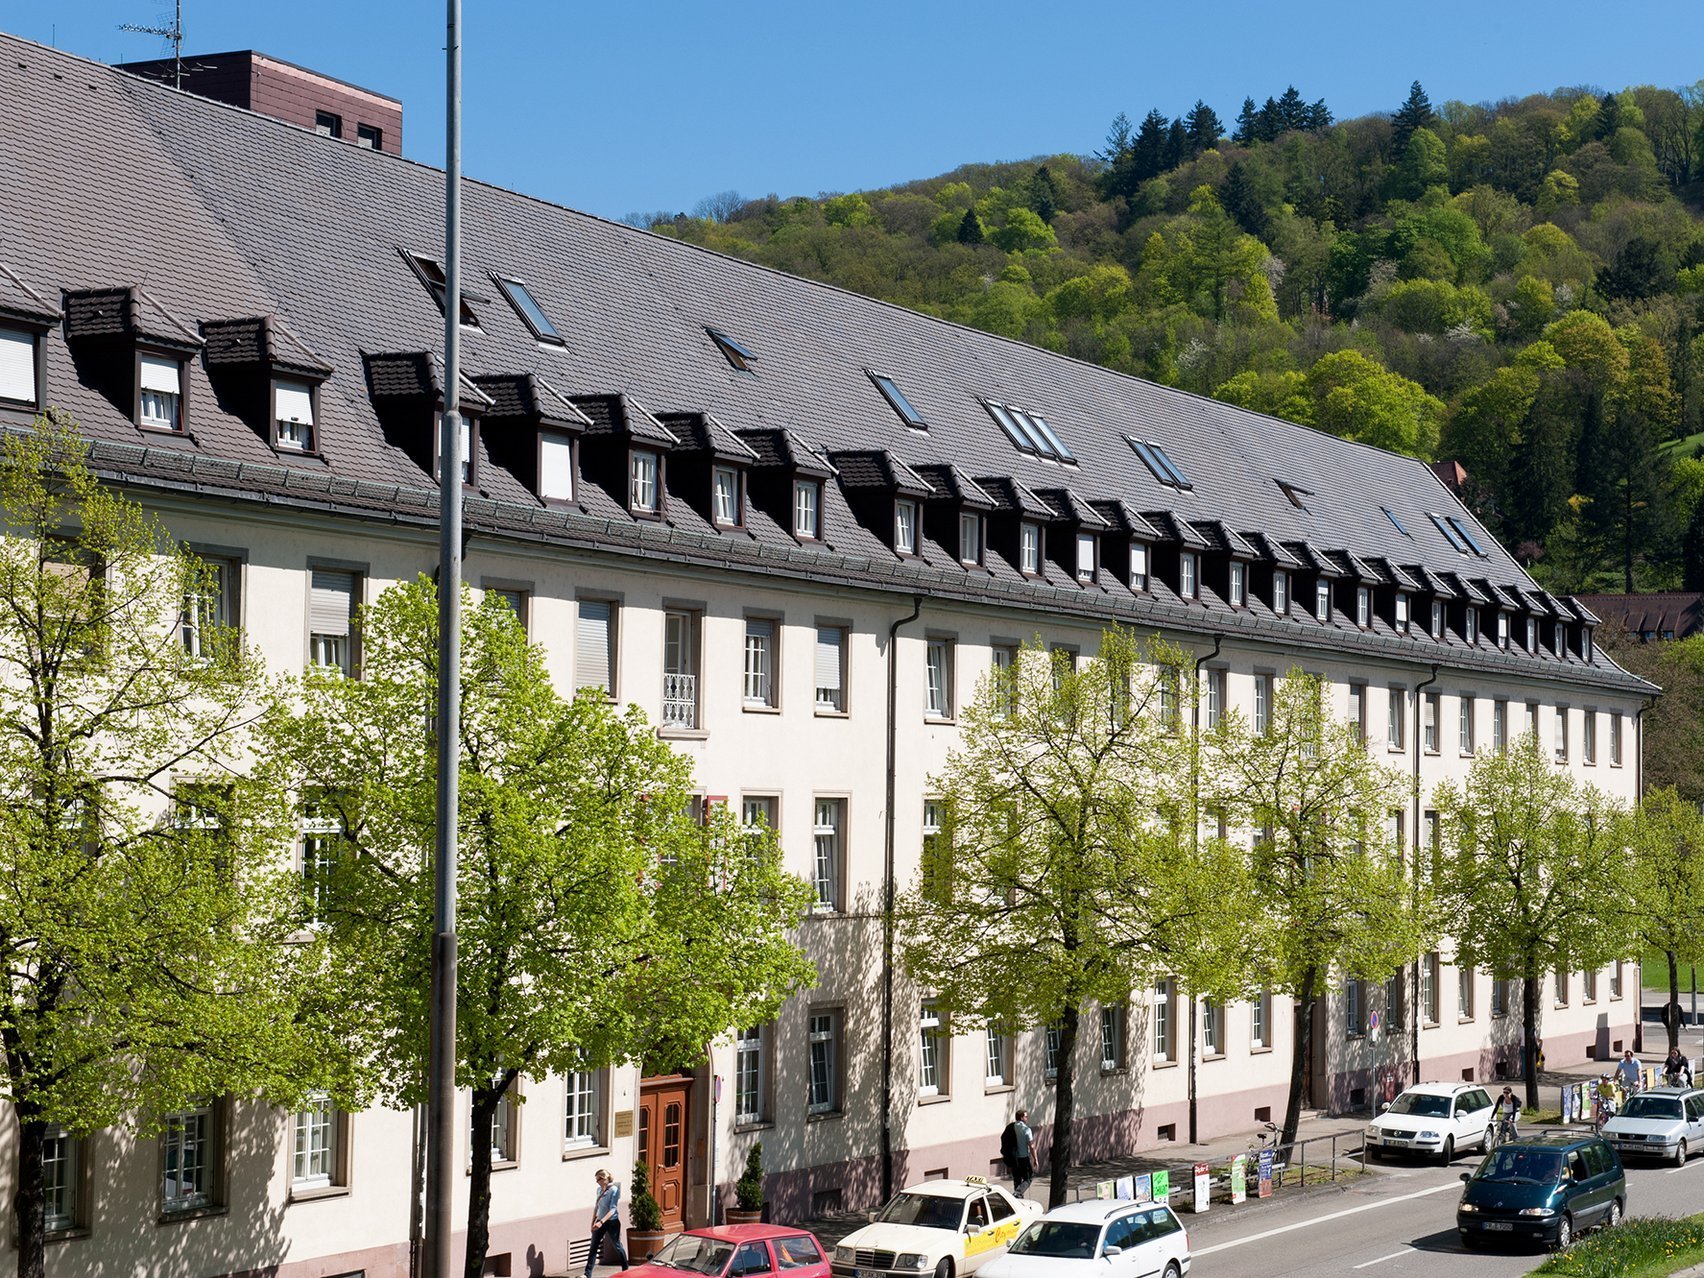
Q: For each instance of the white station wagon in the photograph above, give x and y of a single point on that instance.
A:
(1665, 1122)
(1098, 1239)
(1434, 1119)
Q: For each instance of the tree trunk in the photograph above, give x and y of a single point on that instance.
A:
(1060, 1146)
(485, 1101)
(1301, 1044)
(1529, 1040)
(29, 1203)
(1671, 1013)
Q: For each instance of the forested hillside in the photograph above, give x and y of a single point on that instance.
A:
(1516, 287)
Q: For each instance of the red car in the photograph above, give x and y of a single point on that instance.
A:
(738, 1251)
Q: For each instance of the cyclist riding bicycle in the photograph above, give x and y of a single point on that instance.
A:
(1505, 1113)
(1677, 1070)
(1629, 1071)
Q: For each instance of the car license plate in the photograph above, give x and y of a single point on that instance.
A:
(1502, 1225)
(868, 1273)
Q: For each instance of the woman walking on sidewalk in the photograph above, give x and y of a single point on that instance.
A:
(606, 1222)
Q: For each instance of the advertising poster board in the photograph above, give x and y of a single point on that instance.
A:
(1104, 1189)
(1144, 1188)
(1203, 1187)
(1567, 1105)
(1266, 1172)
(1126, 1188)
(1239, 1178)
(1162, 1186)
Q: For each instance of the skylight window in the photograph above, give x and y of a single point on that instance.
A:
(1294, 494)
(1445, 526)
(897, 400)
(1461, 529)
(431, 273)
(1155, 459)
(1052, 438)
(734, 351)
(1004, 420)
(1395, 522)
(527, 307)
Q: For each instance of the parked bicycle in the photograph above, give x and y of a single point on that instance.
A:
(1267, 1138)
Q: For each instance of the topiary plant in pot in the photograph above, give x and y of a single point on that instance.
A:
(748, 1190)
(645, 1234)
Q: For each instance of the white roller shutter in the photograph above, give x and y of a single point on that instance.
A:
(556, 467)
(592, 646)
(331, 599)
(17, 366)
(293, 402)
(828, 651)
(161, 374)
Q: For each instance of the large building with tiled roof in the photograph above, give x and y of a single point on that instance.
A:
(764, 509)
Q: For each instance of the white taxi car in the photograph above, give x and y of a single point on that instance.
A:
(1435, 1119)
(940, 1227)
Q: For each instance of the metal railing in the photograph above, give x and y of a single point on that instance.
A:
(1310, 1160)
(680, 700)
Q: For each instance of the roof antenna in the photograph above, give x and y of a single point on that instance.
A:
(174, 33)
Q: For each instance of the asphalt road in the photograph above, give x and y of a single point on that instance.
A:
(1394, 1224)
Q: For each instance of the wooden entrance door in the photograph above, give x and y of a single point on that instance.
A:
(663, 1129)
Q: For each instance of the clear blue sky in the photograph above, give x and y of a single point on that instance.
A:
(626, 106)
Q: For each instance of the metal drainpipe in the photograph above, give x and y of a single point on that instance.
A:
(1195, 847)
(1419, 727)
(887, 898)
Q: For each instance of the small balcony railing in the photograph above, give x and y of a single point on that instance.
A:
(680, 700)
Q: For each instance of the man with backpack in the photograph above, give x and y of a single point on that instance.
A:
(1015, 1145)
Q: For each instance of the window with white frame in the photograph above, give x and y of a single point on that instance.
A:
(1464, 993)
(1588, 985)
(293, 416)
(1239, 584)
(1262, 704)
(1499, 996)
(1112, 1038)
(1186, 583)
(161, 392)
(1354, 1008)
(1211, 1014)
(1429, 722)
(1005, 658)
(1437, 626)
(1363, 606)
(1560, 976)
(1322, 600)
(210, 603)
(1395, 731)
(759, 683)
(323, 838)
(725, 496)
(1561, 734)
(970, 538)
(905, 526)
(828, 833)
(1500, 726)
(1615, 979)
(830, 668)
(1502, 629)
(938, 672)
(1465, 716)
(595, 645)
(824, 1094)
(760, 811)
(934, 1050)
(1471, 631)
(1429, 988)
(936, 854)
(62, 1157)
(997, 1070)
(332, 597)
(751, 1075)
(1138, 565)
(1216, 680)
(1088, 548)
(1280, 592)
(468, 448)
(1260, 1020)
(18, 367)
(314, 1144)
(644, 492)
(1029, 548)
(1358, 711)
(807, 512)
(1615, 739)
(555, 467)
(1532, 634)
(1170, 719)
(189, 1148)
(1165, 1032)
(502, 1133)
(1052, 1049)
(1588, 736)
(681, 631)
(582, 1109)
(1401, 613)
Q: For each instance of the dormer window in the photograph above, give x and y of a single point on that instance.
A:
(1087, 545)
(1138, 565)
(905, 526)
(970, 538)
(1281, 592)
(293, 416)
(1503, 630)
(1322, 601)
(1438, 619)
(555, 466)
(160, 383)
(1239, 584)
(1401, 613)
(18, 361)
(1585, 643)
(1470, 628)
(1363, 606)
(725, 496)
(1186, 574)
(644, 493)
(1532, 634)
(807, 509)
(1029, 548)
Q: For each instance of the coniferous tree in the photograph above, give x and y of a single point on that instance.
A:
(1177, 145)
(1415, 113)
(1117, 139)
(1043, 194)
(1637, 272)
(1292, 112)
(1608, 117)
(1148, 152)
(1248, 123)
(970, 228)
(1319, 117)
(1239, 200)
(1204, 127)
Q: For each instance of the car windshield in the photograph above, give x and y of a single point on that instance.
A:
(931, 1211)
(1421, 1105)
(1522, 1165)
(695, 1255)
(1060, 1238)
(1652, 1107)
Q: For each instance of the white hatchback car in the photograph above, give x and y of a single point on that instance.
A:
(1434, 1119)
(948, 1228)
(1098, 1237)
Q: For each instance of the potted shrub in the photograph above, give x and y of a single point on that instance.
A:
(645, 1218)
(748, 1190)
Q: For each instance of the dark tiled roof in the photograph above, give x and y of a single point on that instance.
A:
(1072, 508)
(1121, 515)
(418, 375)
(1224, 539)
(620, 415)
(879, 469)
(785, 449)
(1657, 612)
(1298, 554)
(261, 340)
(125, 312)
(529, 397)
(702, 433)
(1175, 528)
(18, 301)
(951, 483)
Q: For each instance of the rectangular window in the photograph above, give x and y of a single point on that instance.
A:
(1112, 1038)
(1358, 711)
(1138, 565)
(1503, 630)
(1432, 834)
(1428, 989)
(760, 811)
(1588, 737)
(1005, 660)
(1029, 548)
(827, 833)
(314, 1144)
(1471, 632)
(760, 662)
(1170, 720)
(933, 1052)
(1615, 979)
(209, 604)
(725, 495)
(751, 1075)
(190, 1159)
(1186, 585)
(1354, 1008)
(1322, 601)
(1363, 607)
(1561, 734)
(1086, 556)
(1215, 699)
(1429, 722)
(580, 1124)
(161, 392)
(555, 467)
(898, 402)
(1464, 993)
(1211, 1015)
(1239, 584)
(1052, 1043)
(328, 125)
(938, 693)
(502, 1133)
(1262, 704)
(1437, 619)
(1500, 726)
(525, 304)
(332, 596)
(807, 517)
(1401, 613)
(1395, 731)
(825, 1061)
(293, 416)
(680, 669)
(998, 1070)
(905, 526)
(1499, 997)
(970, 538)
(1280, 592)
(830, 668)
(18, 367)
(595, 645)
(323, 838)
(1588, 985)
(1466, 715)
(1165, 994)
(1260, 1020)
(1532, 634)
(1560, 976)
(61, 1180)
(1615, 740)
(644, 495)
(464, 435)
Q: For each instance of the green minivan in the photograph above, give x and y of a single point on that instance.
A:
(1547, 1188)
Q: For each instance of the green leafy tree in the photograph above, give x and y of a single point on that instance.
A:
(1665, 897)
(1529, 875)
(1065, 873)
(600, 919)
(1424, 163)
(1357, 399)
(144, 926)
(1024, 232)
(1332, 897)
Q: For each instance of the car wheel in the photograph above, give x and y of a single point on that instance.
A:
(1488, 1141)
(1172, 1271)
(1680, 1154)
(1447, 1154)
(945, 1268)
(1614, 1218)
(1372, 1153)
(1564, 1232)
